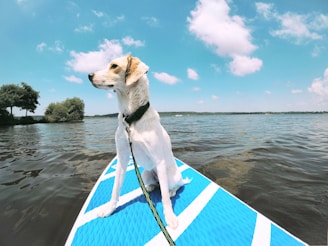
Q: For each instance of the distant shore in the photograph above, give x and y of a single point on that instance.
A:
(41, 119)
(187, 113)
(28, 120)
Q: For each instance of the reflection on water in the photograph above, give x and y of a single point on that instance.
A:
(46, 172)
(276, 163)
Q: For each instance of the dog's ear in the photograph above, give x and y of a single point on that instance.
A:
(135, 70)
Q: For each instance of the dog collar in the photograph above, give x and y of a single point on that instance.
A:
(135, 116)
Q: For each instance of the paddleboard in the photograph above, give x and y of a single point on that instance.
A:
(207, 213)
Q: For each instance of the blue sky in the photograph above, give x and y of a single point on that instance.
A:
(206, 55)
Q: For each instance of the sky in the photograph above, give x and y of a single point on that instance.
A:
(204, 56)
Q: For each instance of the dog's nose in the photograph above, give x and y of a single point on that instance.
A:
(91, 76)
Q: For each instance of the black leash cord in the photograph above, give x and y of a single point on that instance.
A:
(150, 203)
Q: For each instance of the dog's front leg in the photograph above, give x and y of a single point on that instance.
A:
(170, 217)
(119, 177)
(123, 157)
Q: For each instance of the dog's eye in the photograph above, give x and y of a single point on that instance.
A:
(113, 66)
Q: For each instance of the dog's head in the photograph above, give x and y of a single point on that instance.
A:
(120, 73)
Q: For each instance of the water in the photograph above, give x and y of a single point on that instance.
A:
(276, 163)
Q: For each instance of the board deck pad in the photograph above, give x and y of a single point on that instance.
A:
(207, 213)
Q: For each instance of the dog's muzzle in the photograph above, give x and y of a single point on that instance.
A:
(90, 76)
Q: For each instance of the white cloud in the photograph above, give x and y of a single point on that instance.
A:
(98, 13)
(211, 22)
(110, 22)
(265, 9)
(73, 79)
(242, 65)
(57, 47)
(41, 46)
(192, 74)
(268, 92)
(296, 28)
(151, 21)
(319, 86)
(129, 41)
(319, 22)
(214, 97)
(166, 78)
(120, 18)
(196, 89)
(110, 95)
(106, 20)
(296, 91)
(86, 62)
(86, 28)
(317, 50)
(200, 102)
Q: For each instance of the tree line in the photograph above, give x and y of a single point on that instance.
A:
(23, 97)
(68, 110)
(26, 98)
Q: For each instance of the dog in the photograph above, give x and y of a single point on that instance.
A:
(151, 145)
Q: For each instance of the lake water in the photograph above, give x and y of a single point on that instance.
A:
(276, 163)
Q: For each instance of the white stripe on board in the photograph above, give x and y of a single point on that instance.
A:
(187, 216)
(93, 214)
(262, 231)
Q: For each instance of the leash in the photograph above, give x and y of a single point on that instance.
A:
(136, 116)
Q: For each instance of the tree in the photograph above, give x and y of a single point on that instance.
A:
(75, 108)
(10, 96)
(60, 113)
(69, 110)
(50, 112)
(5, 118)
(23, 96)
(29, 98)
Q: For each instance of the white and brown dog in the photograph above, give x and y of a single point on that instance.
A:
(150, 142)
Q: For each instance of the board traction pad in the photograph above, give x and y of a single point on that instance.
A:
(208, 215)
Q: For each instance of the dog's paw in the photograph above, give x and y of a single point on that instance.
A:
(171, 219)
(150, 188)
(107, 209)
(173, 192)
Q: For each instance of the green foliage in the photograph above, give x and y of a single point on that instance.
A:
(23, 97)
(29, 98)
(27, 120)
(10, 96)
(75, 109)
(5, 117)
(69, 110)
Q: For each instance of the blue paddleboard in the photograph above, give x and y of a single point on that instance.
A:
(207, 213)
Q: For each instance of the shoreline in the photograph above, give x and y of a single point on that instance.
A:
(189, 113)
(28, 120)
